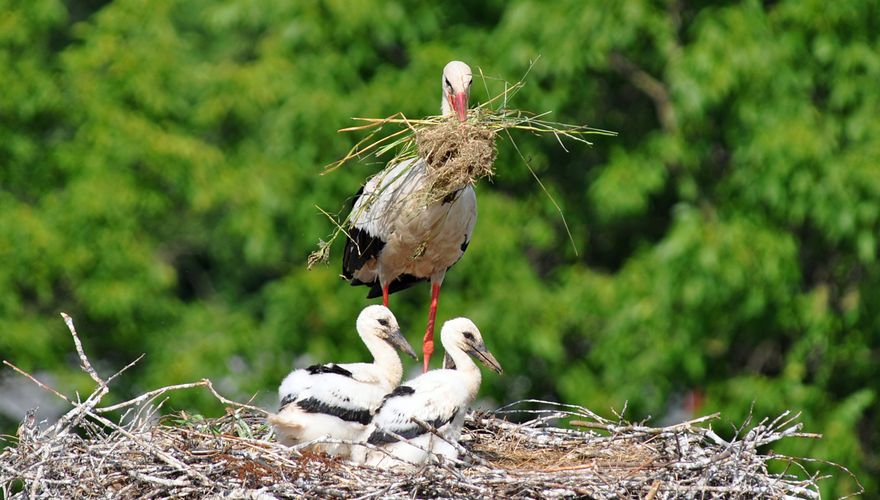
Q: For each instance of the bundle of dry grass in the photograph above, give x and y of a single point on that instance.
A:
(456, 155)
(86, 454)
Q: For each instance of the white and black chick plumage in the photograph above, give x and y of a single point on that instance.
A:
(439, 398)
(339, 400)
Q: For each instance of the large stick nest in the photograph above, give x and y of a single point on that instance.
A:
(559, 451)
(235, 456)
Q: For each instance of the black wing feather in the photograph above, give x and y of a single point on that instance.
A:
(380, 436)
(286, 400)
(360, 247)
(313, 405)
(329, 368)
(402, 282)
(399, 391)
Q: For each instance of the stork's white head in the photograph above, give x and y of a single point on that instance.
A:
(456, 89)
(464, 334)
(379, 322)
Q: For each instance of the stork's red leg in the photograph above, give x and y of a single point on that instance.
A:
(385, 295)
(428, 341)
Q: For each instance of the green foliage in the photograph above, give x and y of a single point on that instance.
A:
(159, 167)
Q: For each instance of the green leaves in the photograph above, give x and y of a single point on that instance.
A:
(159, 180)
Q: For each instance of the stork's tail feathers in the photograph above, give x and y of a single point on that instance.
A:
(280, 420)
(287, 429)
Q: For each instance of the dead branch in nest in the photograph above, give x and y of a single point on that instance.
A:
(86, 454)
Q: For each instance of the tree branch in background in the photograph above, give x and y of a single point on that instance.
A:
(650, 86)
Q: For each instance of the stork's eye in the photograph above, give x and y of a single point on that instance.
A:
(447, 82)
(383, 321)
(468, 335)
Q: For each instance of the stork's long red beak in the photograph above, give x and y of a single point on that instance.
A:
(459, 103)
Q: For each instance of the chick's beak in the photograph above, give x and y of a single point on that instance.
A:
(486, 357)
(399, 341)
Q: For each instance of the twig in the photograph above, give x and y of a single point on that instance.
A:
(231, 402)
(650, 86)
(653, 491)
(150, 395)
(174, 483)
(458, 447)
(34, 380)
(125, 368)
(84, 360)
(158, 453)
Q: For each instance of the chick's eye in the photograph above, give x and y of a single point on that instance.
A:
(469, 335)
(383, 322)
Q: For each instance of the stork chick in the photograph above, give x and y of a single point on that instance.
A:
(439, 398)
(339, 400)
(397, 239)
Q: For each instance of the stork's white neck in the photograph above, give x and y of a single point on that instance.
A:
(445, 107)
(466, 366)
(385, 358)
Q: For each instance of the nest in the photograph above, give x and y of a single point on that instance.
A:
(456, 155)
(86, 454)
(234, 456)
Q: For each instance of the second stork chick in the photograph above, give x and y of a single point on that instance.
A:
(339, 400)
(439, 398)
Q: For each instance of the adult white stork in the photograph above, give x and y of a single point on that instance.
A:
(338, 400)
(439, 398)
(396, 239)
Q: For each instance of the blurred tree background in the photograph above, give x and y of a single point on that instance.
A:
(159, 165)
